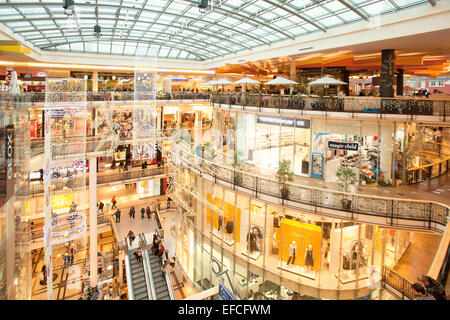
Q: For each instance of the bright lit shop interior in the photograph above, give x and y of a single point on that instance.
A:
(263, 141)
(276, 252)
(365, 148)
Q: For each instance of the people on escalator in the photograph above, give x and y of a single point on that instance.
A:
(131, 237)
(138, 254)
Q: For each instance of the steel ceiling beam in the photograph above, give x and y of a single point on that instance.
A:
(152, 42)
(137, 39)
(355, 10)
(185, 39)
(110, 19)
(283, 7)
(149, 10)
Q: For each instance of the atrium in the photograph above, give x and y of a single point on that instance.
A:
(224, 149)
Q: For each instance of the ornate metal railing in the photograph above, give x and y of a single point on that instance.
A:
(113, 177)
(404, 105)
(397, 285)
(35, 97)
(394, 211)
(428, 171)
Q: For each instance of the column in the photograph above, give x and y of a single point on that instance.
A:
(194, 85)
(244, 86)
(292, 72)
(95, 81)
(387, 72)
(346, 78)
(167, 85)
(386, 150)
(93, 221)
(400, 74)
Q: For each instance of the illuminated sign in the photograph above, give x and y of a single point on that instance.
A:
(41, 74)
(351, 146)
(285, 122)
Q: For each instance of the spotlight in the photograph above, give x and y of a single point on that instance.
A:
(68, 6)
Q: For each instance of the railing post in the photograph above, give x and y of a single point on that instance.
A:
(256, 187)
(392, 212)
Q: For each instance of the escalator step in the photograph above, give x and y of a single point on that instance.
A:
(141, 296)
(160, 290)
(140, 290)
(163, 296)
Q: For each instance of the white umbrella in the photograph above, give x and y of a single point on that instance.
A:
(247, 81)
(222, 82)
(327, 81)
(281, 81)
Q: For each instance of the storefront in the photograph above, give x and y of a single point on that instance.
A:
(149, 188)
(263, 141)
(364, 148)
(270, 251)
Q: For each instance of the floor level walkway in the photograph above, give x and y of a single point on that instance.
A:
(437, 189)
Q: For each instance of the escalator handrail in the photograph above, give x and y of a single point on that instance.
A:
(128, 272)
(169, 285)
(147, 269)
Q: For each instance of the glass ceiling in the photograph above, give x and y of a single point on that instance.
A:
(177, 29)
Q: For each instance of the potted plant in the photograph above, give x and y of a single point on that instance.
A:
(346, 176)
(284, 174)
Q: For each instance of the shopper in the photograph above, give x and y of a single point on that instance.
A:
(114, 202)
(117, 215)
(161, 250)
(138, 254)
(158, 204)
(432, 287)
(116, 287)
(148, 212)
(142, 212)
(131, 237)
(132, 211)
(100, 207)
(420, 292)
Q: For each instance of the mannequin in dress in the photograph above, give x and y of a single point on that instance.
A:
(292, 252)
(251, 241)
(309, 258)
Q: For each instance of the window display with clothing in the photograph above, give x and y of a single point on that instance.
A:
(292, 252)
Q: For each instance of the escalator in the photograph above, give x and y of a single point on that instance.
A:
(159, 278)
(145, 279)
(161, 284)
(138, 277)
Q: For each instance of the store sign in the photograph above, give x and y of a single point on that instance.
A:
(351, 146)
(41, 74)
(9, 156)
(285, 122)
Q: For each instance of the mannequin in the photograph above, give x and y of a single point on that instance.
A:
(292, 252)
(220, 222)
(251, 241)
(309, 258)
(229, 227)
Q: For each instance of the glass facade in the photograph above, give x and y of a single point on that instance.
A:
(273, 252)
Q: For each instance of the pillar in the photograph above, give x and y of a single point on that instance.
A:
(387, 73)
(95, 81)
(244, 86)
(346, 78)
(197, 129)
(194, 85)
(167, 85)
(93, 221)
(400, 74)
(292, 73)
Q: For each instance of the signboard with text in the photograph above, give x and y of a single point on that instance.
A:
(350, 146)
(285, 122)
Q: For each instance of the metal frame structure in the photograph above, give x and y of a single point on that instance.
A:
(226, 27)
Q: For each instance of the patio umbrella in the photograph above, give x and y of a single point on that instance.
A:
(222, 82)
(281, 81)
(327, 81)
(247, 81)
